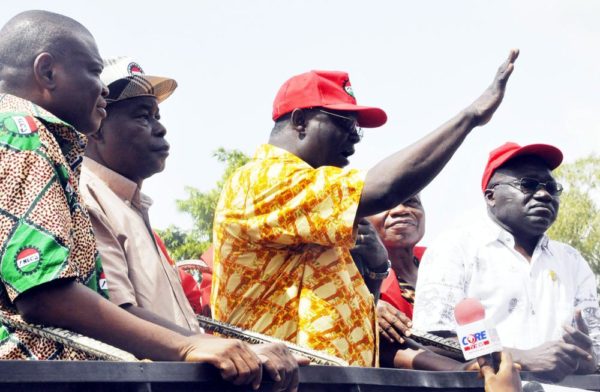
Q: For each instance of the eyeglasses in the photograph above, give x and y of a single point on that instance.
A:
(350, 124)
(531, 185)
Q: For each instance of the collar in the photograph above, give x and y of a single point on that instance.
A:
(123, 187)
(492, 232)
(17, 105)
(71, 142)
(269, 151)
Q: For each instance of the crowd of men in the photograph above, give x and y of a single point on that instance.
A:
(301, 243)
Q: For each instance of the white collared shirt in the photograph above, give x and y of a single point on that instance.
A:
(528, 302)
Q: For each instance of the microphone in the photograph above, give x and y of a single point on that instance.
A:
(477, 338)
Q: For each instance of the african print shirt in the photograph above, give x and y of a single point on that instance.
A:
(45, 233)
(282, 263)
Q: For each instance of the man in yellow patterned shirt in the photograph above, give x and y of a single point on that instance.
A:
(285, 222)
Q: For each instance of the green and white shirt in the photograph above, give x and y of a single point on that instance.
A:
(45, 232)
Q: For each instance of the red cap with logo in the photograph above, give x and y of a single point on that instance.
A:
(326, 89)
(551, 155)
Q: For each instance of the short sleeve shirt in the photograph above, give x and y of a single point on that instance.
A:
(45, 232)
(282, 264)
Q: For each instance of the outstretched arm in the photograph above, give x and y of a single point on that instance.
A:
(406, 172)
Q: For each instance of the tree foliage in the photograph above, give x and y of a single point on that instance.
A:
(578, 222)
(201, 207)
(181, 244)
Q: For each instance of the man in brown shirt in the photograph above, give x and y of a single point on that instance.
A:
(129, 147)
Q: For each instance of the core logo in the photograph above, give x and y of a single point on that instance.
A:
(27, 257)
(475, 340)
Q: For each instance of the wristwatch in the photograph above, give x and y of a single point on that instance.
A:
(379, 275)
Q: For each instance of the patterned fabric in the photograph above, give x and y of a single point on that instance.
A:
(282, 264)
(527, 301)
(44, 230)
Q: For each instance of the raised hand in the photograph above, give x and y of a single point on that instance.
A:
(484, 107)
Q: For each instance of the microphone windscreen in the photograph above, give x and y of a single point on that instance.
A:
(468, 311)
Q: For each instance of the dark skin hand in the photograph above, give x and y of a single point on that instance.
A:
(552, 361)
(406, 172)
(580, 337)
(70, 305)
(555, 360)
(394, 325)
(371, 252)
(280, 365)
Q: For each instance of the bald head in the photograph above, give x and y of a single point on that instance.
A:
(27, 35)
(52, 61)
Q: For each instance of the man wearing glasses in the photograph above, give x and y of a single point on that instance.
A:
(539, 293)
(285, 222)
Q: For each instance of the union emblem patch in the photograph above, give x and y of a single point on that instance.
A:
(28, 259)
(348, 88)
(134, 69)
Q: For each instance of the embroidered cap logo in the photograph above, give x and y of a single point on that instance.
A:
(348, 88)
(134, 69)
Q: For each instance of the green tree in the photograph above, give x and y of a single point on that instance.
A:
(181, 244)
(578, 222)
(201, 207)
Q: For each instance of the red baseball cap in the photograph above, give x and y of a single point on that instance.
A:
(326, 89)
(509, 150)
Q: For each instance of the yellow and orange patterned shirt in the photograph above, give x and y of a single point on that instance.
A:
(282, 265)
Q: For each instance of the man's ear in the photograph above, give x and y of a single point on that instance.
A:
(490, 198)
(298, 122)
(298, 118)
(44, 71)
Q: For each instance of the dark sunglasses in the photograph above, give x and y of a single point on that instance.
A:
(348, 123)
(531, 185)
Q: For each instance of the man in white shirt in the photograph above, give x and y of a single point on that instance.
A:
(540, 294)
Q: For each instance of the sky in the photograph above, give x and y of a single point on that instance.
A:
(421, 61)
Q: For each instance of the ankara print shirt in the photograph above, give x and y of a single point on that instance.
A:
(45, 233)
(282, 264)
